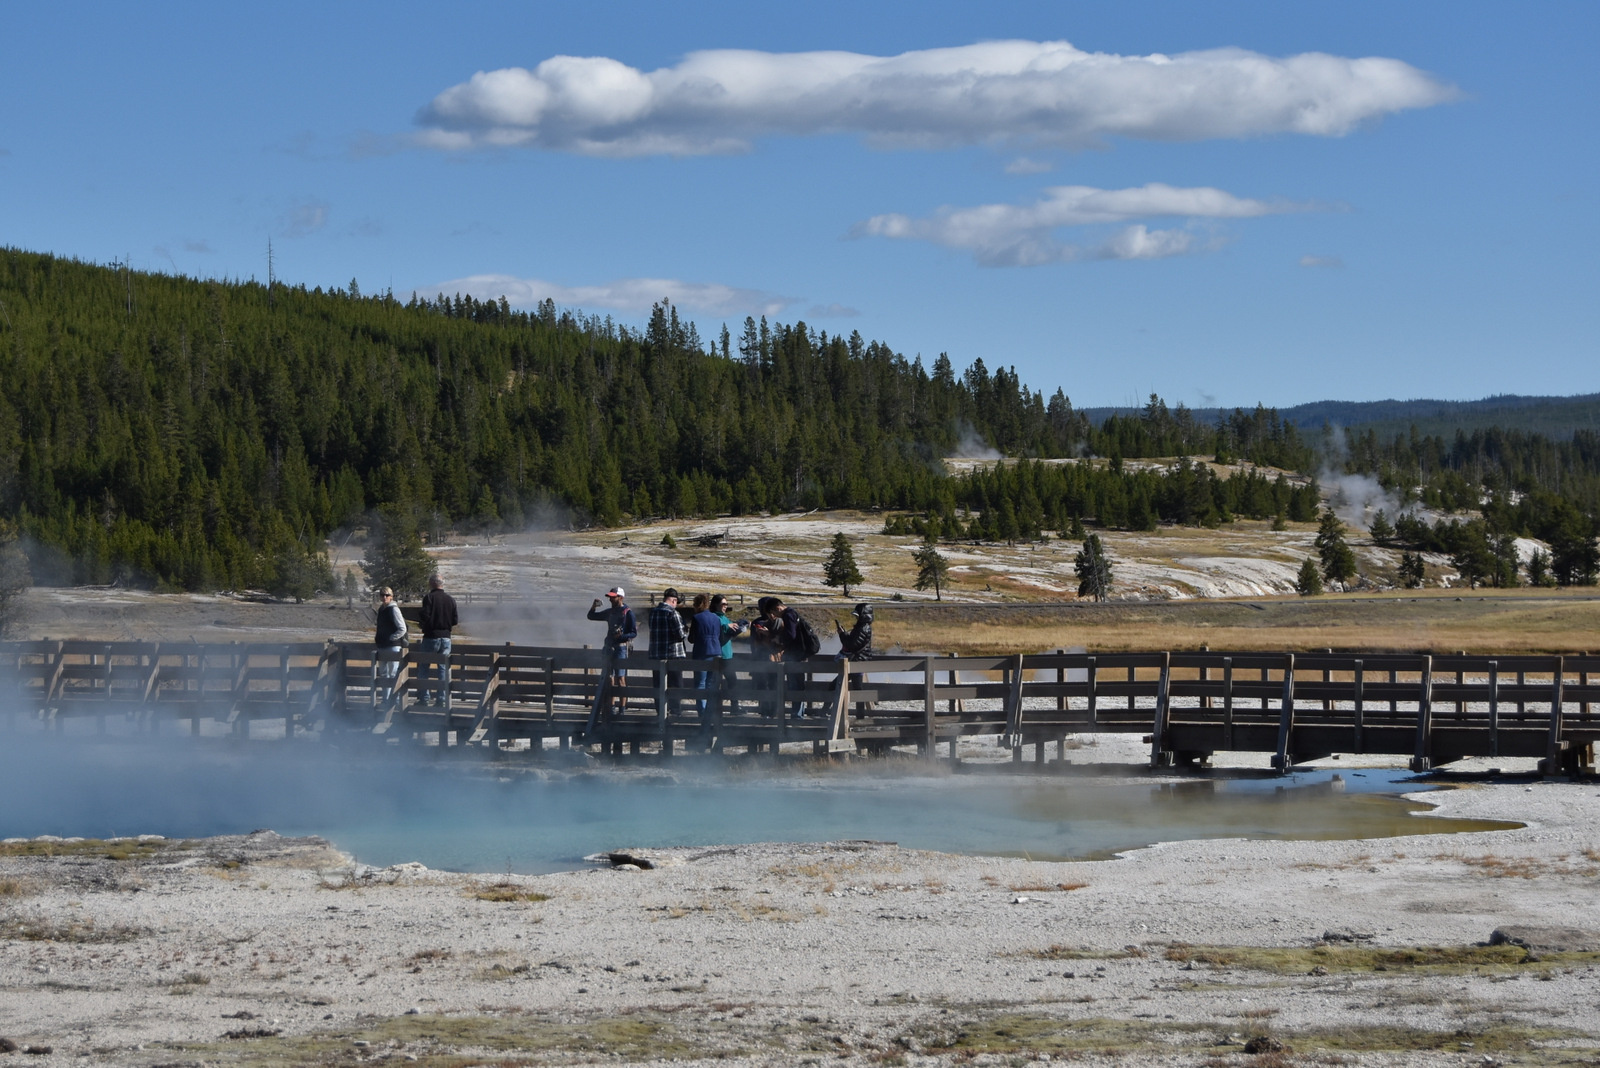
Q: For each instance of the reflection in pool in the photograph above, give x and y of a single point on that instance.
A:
(468, 817)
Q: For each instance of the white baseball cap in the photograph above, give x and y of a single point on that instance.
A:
(615, 591)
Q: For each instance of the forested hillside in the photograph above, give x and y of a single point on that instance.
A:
(204, 434)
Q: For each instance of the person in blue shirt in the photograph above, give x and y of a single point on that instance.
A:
(711, 636)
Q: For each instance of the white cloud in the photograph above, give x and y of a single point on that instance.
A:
(1024, 165)
(631, 295)
(1011, 235)
(1321, 261)
(304, 218)
(832, 311)
(996, 92)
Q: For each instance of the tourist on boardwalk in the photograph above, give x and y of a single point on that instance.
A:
(766, 643)
(389, 637)
(438, 618)
(789, 636)
(710, 635)
(668, 638)
(857, 643)
(621, 629)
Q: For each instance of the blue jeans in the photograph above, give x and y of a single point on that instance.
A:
(439, 646)
(388, 669)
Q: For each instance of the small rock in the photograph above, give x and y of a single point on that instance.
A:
(413, 1011)
(39, 1051)
(7, 1046)
(1547, 939)
(1318, 970)
(361, 1043)
(1347, 934)
(1264, 1044)
(1019, 900)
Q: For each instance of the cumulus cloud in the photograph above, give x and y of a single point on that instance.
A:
(998, 92)
(631, 295)
(1013, 235)
(1321, 261)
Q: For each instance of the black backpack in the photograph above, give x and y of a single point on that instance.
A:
(808, 636)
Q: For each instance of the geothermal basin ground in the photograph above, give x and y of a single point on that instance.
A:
(261, 950)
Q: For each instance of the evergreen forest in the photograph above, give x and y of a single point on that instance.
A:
(205, 434)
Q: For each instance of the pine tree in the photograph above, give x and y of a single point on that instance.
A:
(932, 569)
(840, 568)
(1338, 562)
(1382, 530)
(1539, 569)
(1309, 582)
(395, 557)
(1094, 570)
(15, 577)
(1411, 570)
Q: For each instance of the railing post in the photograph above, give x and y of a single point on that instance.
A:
(1494, 708)
(1281, 759)
(1360, 704)
(1227, 703)
(1160, 755)
(1014, 708)
(1555, 745)
(1422, 760)
(929, 731)
(1094, 697)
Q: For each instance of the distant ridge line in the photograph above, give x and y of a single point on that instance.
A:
(1559, 415)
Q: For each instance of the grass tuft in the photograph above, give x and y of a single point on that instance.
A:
(507, 892)
(78, 932)
(119, 849)
(1431, 960)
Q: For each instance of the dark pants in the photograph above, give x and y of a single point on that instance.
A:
(610, 693)
(674, 681)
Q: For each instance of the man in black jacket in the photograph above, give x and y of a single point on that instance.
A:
(438, 619)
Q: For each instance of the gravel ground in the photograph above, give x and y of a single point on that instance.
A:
(267, 950)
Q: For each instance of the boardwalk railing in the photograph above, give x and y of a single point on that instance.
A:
(1188, 705)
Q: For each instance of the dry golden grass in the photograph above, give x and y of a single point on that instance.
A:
(1045, 888)
(1497, 867)
(1438, 621)
(505, 892)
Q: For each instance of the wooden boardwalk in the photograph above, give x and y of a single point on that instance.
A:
(509, 699)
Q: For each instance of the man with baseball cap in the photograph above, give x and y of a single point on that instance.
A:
(621, 629)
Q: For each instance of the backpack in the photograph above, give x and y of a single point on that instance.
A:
(808, 636)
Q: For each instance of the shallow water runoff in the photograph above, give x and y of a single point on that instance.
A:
(477, 818)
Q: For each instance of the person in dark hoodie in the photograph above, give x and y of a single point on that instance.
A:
(856, 644)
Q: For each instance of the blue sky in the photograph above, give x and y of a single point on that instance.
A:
(1264, 216)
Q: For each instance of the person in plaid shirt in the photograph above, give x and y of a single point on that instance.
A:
(668, 639)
